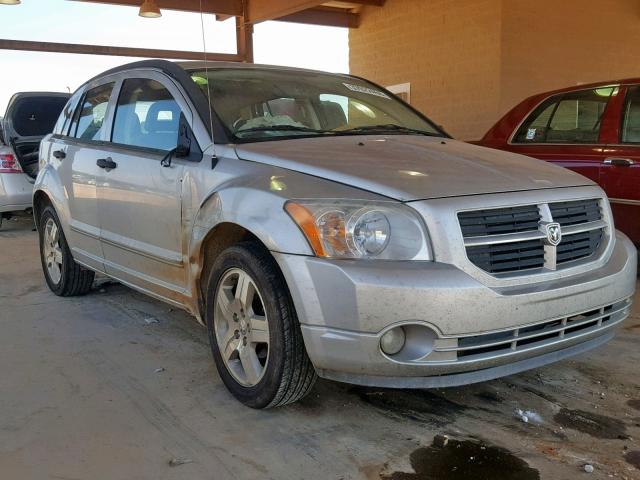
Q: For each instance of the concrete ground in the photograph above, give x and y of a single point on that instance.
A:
(115, 385)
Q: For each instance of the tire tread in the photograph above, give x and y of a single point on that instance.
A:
(298, 375)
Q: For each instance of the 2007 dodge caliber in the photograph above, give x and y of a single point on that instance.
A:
(319, 226)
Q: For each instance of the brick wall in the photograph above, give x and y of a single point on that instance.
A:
(549, 44)
(448, 49)
(468, 61)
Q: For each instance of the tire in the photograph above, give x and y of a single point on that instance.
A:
(284, 374)
(67, 279)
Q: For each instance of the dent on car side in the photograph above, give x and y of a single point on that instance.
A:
(253, 195)
(467, 308)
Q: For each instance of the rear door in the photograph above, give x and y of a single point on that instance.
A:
(621, 167)
(140, 197)
(566, 129)
(75, 154)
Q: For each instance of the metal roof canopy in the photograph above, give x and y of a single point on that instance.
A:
(337, 13)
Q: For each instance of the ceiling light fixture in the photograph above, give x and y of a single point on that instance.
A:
(9, 2)
(148, 9)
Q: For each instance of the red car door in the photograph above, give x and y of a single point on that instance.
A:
(620, 172)
(567, 129)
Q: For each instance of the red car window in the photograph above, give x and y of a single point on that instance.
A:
(569, 118)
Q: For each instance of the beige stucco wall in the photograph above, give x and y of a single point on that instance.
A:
(469, 61)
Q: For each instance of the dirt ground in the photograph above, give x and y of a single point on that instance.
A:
(115, 385)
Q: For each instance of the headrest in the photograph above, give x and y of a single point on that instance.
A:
(162, 116)
(334, 114)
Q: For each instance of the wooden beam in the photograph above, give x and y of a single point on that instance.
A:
(354, 6)
(223, 7)
(373, 3)
(262, 10)
(113, 51)
(332, 17)
(244, 40)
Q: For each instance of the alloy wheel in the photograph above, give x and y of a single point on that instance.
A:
(52, 251)
(241, 327)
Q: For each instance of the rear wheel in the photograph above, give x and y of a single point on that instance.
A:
(64, 276)
(253, 330)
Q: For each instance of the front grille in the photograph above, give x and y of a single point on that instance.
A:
(508, 342)
(497, 221)
(513, 239)
(578, 246)
(574, 213)
(508, 257)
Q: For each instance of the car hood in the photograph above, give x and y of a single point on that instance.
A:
(410, 167)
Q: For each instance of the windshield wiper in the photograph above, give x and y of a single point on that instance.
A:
(387, 128)
(282, 128)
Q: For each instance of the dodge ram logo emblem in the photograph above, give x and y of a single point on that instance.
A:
(554, 233)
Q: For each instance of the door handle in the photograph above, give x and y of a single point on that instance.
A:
(619, 162)
(106, 163)
(60, 154)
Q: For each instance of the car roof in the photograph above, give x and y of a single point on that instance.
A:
(586, 86)
(190, 66)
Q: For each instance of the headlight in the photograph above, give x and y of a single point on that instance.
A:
(344, 229)
(369, 232)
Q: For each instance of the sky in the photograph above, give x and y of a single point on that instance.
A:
(278, 43)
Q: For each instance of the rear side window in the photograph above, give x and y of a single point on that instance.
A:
(88, 122)
(147, 116)
(631, 119)
(574, 117)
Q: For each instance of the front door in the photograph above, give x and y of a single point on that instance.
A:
(621, 168)
(140, 197)
(76, 151)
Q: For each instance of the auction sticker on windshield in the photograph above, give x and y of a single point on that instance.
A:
(361, 89)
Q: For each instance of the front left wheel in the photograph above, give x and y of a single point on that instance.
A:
(255, 338)
(63, 275)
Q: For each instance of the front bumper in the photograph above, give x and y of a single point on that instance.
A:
(15, 192)
(344, 307)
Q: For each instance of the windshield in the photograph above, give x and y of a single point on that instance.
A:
(263, 104)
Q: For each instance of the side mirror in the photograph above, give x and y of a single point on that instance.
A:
(183, 149)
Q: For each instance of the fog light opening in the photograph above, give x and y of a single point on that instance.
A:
(393, 341)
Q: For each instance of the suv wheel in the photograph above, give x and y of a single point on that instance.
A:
(253, 330)
(64, 276)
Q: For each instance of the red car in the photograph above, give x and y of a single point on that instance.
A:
(592, 129)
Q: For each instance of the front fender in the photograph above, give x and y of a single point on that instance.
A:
(260, 212)
(250, 195)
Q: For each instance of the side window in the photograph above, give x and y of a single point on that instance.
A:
(64, 119)
(573, 117)
(631, 119)
(146, 116)
(88, 121)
